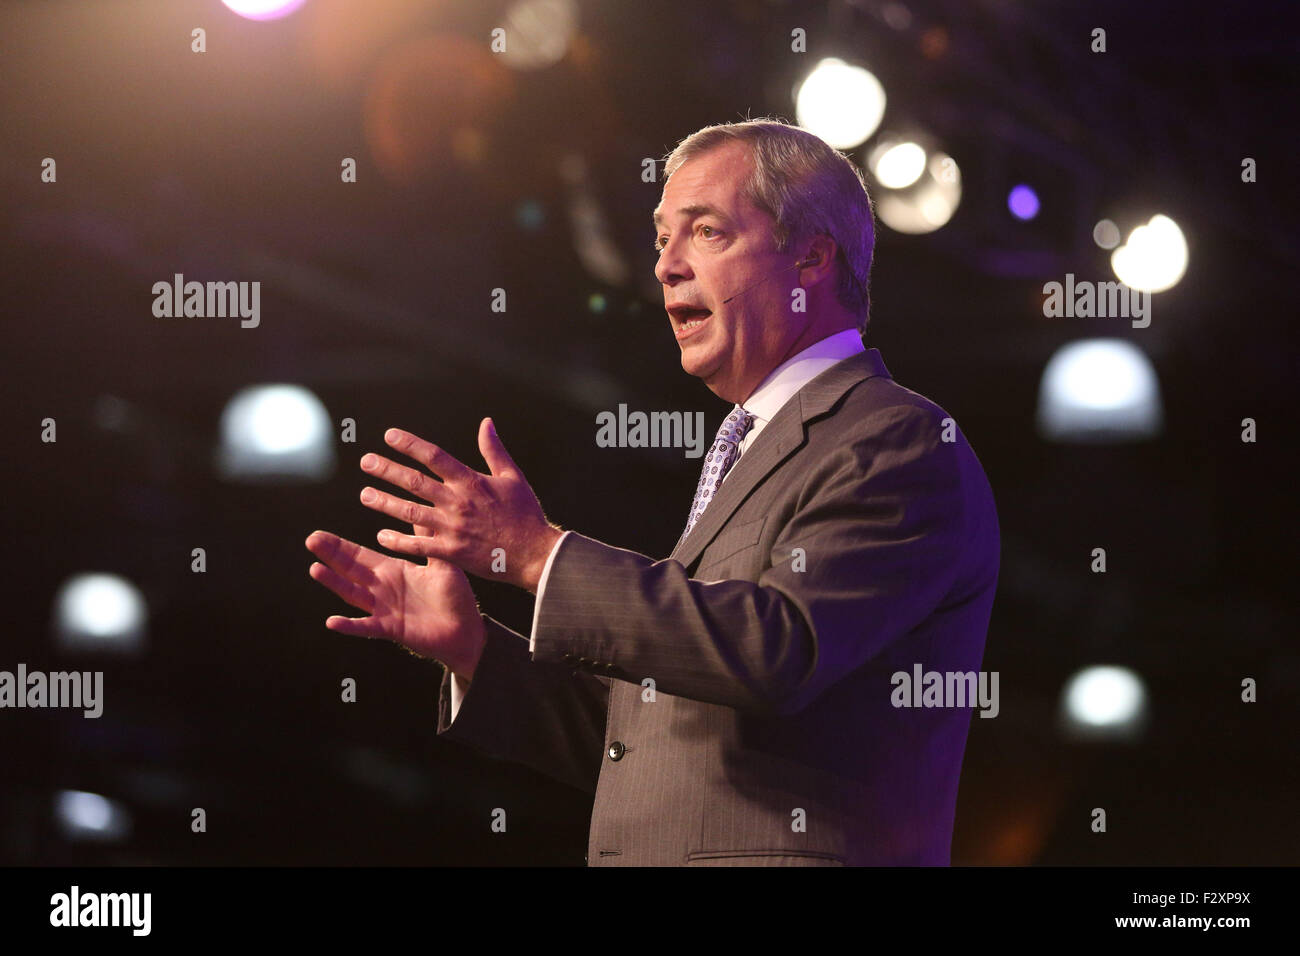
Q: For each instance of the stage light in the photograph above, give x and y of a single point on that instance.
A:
(928, 202)
(841, 103)
(263, 9)
(1099, 390)
(1154, 258)
(1023, 202)
(899, 165)
(275, 432)
(538, 32)
(1104, 701)
(1106, 234)
(85, 816)
(99, 612)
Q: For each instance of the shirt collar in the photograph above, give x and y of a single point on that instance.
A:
(796, 372)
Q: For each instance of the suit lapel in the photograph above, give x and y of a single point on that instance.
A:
(785, 433)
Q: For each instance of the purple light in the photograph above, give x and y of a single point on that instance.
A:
(263, 9)
(1023, 202)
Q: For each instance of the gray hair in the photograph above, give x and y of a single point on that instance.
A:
(808, 189)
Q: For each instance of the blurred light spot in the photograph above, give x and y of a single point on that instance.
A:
(841, 103)
(343, 49)
(599, 254)
(1106, 234)
(430, 104)
(529, 215)
(538, 32)
(111, 413)
(275, 432)
(1099, 390)
(934, 43)
(1154, 258)
(1104, 701)
(100, 612)
(1023, 202)
(88, 816)
(263, 9)
(935, 210)
(596, 302)
(899, 165)
(896, 15)
(926, 204)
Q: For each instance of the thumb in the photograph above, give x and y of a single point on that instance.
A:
(494, 453)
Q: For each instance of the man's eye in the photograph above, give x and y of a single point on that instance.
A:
(704, 229)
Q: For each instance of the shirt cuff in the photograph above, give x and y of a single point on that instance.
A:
(541, 589)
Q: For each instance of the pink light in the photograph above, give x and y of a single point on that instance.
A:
(263, 9)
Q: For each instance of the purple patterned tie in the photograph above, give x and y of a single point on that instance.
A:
(723, 454)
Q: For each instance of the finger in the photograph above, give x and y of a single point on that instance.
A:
(355, 595)
(356, 626)
(424, 547)
(494, 452)
(424, 531)
(441, 463)
(348, 559)
(398, 508)
(417, 483)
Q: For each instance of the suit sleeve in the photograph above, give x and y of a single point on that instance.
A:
(547, 716)
(880, 522)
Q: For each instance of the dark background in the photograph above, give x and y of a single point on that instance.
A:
(473, 176)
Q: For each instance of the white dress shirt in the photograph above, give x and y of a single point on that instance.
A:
(772, 393)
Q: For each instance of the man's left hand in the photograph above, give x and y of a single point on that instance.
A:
(472, 514)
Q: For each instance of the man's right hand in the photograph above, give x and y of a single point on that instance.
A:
(428, 608)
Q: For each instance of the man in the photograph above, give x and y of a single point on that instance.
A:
(735, 702)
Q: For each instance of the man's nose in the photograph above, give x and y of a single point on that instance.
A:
(672, 266)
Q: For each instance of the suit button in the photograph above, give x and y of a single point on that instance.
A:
(616, 750)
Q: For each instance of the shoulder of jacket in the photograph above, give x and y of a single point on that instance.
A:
(879, 401)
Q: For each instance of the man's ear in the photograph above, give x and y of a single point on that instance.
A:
(818, 259)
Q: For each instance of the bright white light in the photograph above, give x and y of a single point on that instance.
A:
(1104, 701)
(1099, 389)
(263, 9)
(1099, 375)
(88, 816)
(936, 210)
(841, 103)
(99, 612)
(900, 165)
(275, 431)
(928, 203)
(1154, 258)
(538, 32)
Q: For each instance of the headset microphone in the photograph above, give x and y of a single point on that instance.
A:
(798, 265)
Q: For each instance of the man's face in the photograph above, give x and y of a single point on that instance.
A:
(714, 244)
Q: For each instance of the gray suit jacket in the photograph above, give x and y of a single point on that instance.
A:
(855, 538)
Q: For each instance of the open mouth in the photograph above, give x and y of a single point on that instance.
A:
(689, 320)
